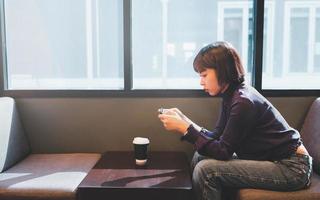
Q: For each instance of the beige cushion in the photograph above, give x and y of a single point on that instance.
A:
(46, 176)
(312, 193)
(14, 145)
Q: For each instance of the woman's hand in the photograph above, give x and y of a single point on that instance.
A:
(174, 123)
(174, 111)
(174, 120)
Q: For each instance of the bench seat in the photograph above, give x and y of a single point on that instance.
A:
(312, 193)
(28, 176)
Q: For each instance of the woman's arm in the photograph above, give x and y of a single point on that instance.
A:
(238, 125)
(174, 119)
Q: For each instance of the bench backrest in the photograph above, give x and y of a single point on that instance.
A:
(310, 133)
(14, 145)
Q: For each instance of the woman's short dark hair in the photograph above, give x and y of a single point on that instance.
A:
(222, 57)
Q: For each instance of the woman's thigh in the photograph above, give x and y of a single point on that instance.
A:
(246, 174)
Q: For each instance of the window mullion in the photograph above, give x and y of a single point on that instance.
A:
(258, 13)
(3, 64)
(127, 45)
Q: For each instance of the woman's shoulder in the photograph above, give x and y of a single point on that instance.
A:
(245, 93)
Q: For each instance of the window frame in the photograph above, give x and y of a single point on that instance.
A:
(311, 6)
(258, 27)
(244, 7)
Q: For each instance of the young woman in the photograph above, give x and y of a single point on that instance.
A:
(252, 145)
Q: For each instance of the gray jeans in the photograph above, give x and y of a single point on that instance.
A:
(210, 175)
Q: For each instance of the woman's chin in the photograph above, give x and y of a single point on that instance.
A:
(212, 93)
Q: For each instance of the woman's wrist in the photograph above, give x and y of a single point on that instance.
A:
(184, 128)
(197, 127)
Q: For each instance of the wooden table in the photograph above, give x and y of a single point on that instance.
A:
(116, 177)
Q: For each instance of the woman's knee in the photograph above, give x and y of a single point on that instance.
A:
(199, 177)
(210, 169)
(202, 169)
(205, 182)
(196, 159)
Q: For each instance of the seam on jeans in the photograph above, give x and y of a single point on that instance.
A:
(256, 178)
(204, 192)
(300, 172)
(209, 176)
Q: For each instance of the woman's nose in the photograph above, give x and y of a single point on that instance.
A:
(201, 82)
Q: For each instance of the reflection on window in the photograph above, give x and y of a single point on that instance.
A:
(58, 44)
(317, 42)
(236, 26)
(53, 44)
(298, 31)
(294, 62)
(166, 35)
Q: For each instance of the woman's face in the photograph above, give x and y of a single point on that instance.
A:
(209, 82)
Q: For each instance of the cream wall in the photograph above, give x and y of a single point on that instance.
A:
(101, 124)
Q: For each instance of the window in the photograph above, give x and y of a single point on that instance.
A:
(237, 27)
(166, 35)
(147, 47)
(53, 44)
(316, 49)
(294, 63)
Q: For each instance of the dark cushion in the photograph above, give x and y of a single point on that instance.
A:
(310, 133)
(14, 145)
(311, 193)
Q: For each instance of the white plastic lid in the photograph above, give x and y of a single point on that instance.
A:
(141, 162)
(140, 140)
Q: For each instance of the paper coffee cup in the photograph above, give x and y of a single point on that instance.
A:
(141, 150)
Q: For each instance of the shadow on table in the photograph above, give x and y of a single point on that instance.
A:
(162, 180)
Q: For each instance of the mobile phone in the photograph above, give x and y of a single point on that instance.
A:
(160, 110)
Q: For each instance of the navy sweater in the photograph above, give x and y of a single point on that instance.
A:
(248, 125)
